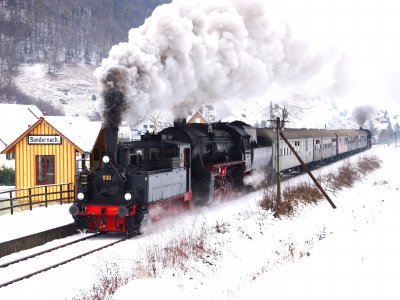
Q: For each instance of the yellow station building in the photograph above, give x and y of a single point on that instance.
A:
(50, 152)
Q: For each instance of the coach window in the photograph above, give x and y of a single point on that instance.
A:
(45, 169)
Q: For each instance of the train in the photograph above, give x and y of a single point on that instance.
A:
(189, 165)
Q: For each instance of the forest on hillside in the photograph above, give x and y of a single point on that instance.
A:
(57, 31)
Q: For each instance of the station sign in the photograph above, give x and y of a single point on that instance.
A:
(44, 140)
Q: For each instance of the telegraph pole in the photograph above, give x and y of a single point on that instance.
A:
(278, 174)
(279, 124)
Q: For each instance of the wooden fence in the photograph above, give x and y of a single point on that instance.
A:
(36, 196)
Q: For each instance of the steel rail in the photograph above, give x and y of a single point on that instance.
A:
(46, 251)
(61, 263)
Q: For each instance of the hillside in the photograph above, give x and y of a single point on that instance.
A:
(74, 89)
(56, 32)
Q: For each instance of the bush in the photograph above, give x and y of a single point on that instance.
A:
(368, 164)
(291, 196)
(269, 199)
(304, 192)
(344, 177)
(176, 254)
(7, 176)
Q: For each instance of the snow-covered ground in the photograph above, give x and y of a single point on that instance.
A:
(39, 219)
(319, 253)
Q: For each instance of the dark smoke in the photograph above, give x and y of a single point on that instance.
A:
(362, 113)
(114, 99)
(114, 106)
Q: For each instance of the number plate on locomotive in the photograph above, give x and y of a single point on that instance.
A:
(107, 177)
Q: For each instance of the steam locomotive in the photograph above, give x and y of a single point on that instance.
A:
(191, 164)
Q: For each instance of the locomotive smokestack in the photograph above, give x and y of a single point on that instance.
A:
(114, 106)
(111, 142)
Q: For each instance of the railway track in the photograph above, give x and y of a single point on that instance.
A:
(46, 251)
(26, 259)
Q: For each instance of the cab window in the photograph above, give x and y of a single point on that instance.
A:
(154, 154)
(171, 152)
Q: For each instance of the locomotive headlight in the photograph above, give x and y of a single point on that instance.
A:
(106, 159)
(80, 196)
(128, 196)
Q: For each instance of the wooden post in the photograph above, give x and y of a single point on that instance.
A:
(278, 175)
(61, 194)
(45, 195)
(11, 203)
(30, 198)
(69, 191)
(308, 171)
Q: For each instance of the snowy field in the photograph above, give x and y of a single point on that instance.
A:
(320, 253)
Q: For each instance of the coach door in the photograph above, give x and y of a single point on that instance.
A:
(308, 150)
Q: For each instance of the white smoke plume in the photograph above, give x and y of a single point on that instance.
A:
(192, 53)
(256, 179)
(341, 78)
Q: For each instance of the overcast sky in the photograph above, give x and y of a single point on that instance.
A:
(360, 43)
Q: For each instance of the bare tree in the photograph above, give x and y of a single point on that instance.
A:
(292, 108)
(160, 120)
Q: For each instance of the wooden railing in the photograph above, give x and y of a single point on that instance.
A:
(36, 196)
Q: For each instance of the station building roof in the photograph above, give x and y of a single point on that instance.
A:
(16, 119)
(81, 132)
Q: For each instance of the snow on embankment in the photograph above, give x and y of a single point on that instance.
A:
(347, 253)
